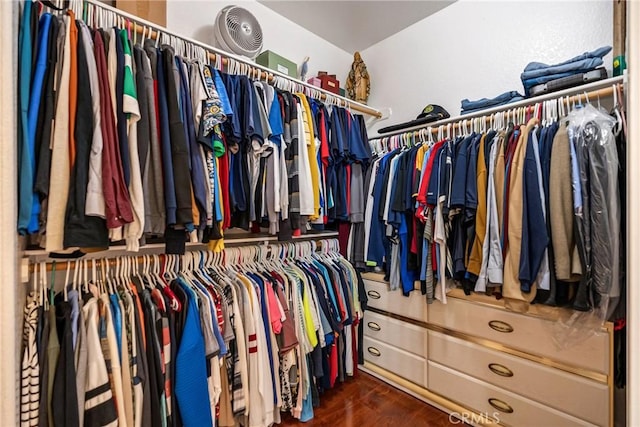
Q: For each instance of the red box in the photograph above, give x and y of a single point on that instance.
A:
(314, 81)
(330, 83)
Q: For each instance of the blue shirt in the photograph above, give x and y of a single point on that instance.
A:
(170, 202)
(191, 389)
(34, 106)
(26, 172)
(575, 172)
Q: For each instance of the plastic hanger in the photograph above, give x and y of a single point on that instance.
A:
(35, 283)
(66, 281)
(43, 285)
(173, 300)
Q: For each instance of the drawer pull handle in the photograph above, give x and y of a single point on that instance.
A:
(374, 351)
(501, 370)
(500, 326)
(374, 294)
(501, 406)
(373, 326)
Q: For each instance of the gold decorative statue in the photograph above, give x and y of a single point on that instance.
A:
(358, 84)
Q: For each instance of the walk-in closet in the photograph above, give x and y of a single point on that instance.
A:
(327, 213)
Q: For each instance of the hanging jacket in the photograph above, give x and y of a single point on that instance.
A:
(28, 174)
(117, 205)
(80, 229)
(60, 164)
(561, 215)
(179, 150)
(534, 230)
(45, 119)
(511, 288)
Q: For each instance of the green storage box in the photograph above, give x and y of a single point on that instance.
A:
(278, 63)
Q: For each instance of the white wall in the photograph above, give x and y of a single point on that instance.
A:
(476, 49)
(633, 205)
(11, 313)
(286, 38)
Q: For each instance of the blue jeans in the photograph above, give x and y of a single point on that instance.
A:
(485, 103)
(481, 104)
(536, 66)
(528, 84)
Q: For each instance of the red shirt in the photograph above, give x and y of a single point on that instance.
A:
(118, 210)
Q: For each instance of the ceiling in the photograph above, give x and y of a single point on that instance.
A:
(355, 25)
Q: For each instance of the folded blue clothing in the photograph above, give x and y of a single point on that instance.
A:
(528, 84)
(598, 53)
(572, 67)
(481, 104)
(512, 100)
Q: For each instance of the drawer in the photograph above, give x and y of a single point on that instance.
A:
(414, 306)
(400, 362)
(396, 333)
(566, 392)
(491, 401)
(526, 333)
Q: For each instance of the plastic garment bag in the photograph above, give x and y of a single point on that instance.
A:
(598, 164)
(598, 218)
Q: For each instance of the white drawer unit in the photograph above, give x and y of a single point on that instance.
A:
(414, 306)
(474, 357)
(573, 394)
(396, 333)
(529, 334)
(505, 407)
(400, 362)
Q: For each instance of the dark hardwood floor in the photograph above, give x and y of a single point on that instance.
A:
(366, 401)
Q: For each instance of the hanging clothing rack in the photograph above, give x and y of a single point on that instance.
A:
(150, 30)
(110, 257)
(592, 91)
(38, 256)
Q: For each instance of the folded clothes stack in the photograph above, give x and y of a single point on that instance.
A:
(536, 73)
(481, 104)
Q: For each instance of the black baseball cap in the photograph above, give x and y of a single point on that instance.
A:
(430, 113)
(433, 111)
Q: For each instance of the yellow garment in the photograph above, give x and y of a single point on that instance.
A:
(420, 156)
(218, 245)
(311, 153)
(308, 320)
(498, 178)
(418, 166)
(195, 212)
(475, 258)
(511, 287)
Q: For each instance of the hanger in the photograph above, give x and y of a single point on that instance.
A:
(36, 287)
(125, 272)
(35, 283)
(161, 271)
(66, 281)
(93, 276)
(74, 281)
(43, 285)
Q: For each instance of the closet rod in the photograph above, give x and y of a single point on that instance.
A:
(232, 241)
(61, 264)
(602, 88)
(213, 52)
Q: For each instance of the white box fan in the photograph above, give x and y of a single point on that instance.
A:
(237, 31)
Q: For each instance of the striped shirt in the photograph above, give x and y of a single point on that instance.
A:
(30, 381)
(100, 409)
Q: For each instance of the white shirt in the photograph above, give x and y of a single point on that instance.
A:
(304, 168)
(60, 163)
(94, 205)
